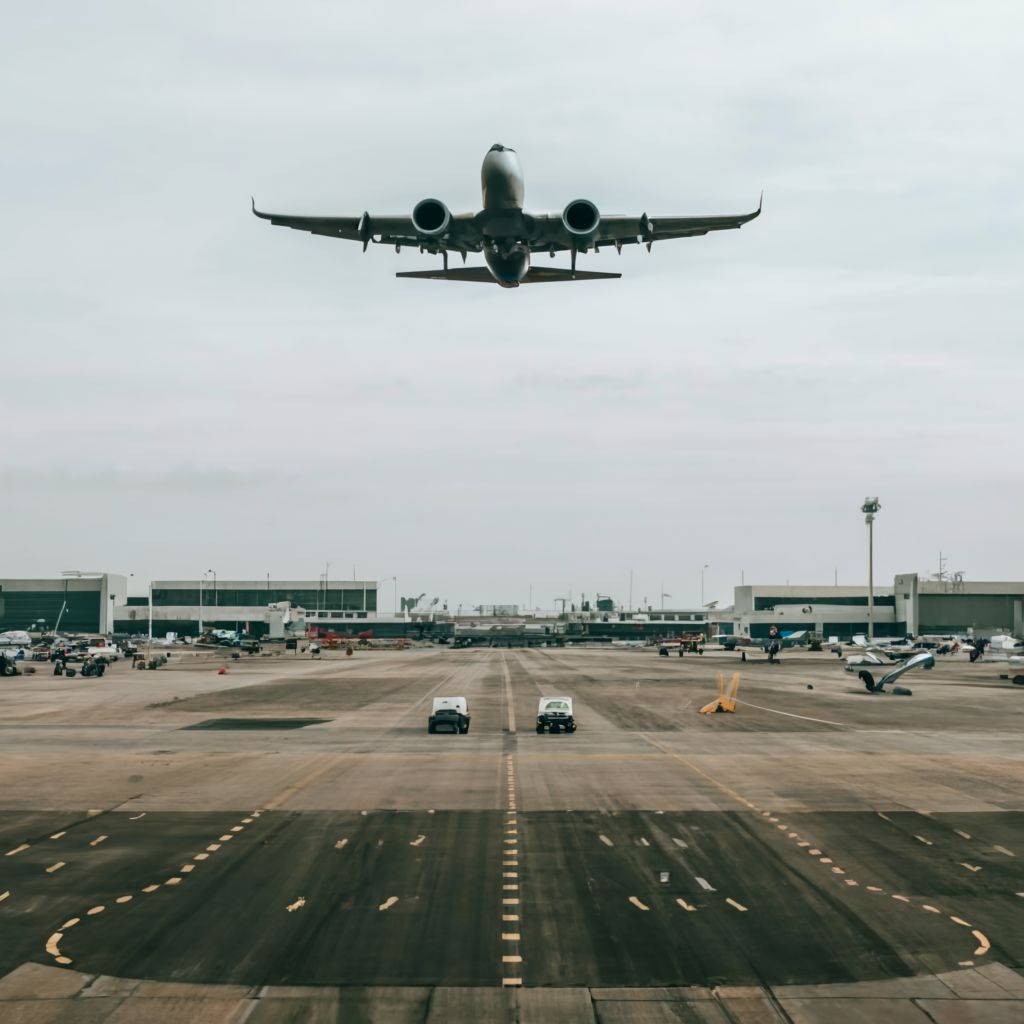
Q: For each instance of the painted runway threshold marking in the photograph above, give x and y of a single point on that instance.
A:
(705, 884)
(638, 904)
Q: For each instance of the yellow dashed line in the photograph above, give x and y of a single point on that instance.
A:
(510, 901)
(511, 887)
(638, 904)
(213, 846)
(902, 899)
(70, 924)
(151, 888)
(511, 982)
(850, 881)
(292, 907)
(874, 888)
(340, 844)
(93, 911)
(826, 860)
(510, 917)
(970, 867)
(685, 905)
(57, 835)
(4, 895)
(511, 958)
(124, 899)
(983, 944)
(176, 880)
(98, 840)
(17, 849)
(1003, 850)
(226, 838)
(931, 909)
(960, 921)
(510, 936)
(962, 835)
(238, 828)
(885, 817)
(510, 874)
(201, 856)
(55, 867)
(186, 868)
(733, 903)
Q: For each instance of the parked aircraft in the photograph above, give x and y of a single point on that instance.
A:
(504, 232)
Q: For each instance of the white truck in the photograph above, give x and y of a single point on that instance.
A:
(555, 714)
(449, 714)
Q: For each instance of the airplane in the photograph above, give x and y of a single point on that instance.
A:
(505, 234)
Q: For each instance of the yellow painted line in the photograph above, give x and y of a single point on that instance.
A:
(638, 904)
(340, 844)
(970, 867)
(510, 917)
(838, 871)
(213, 846)
(93, 911)
(225, 838)
(511, 831)
(124, 899)
(965, 963)
(983, 944)
(137, 816)
(292, 907)
(850, 881)
(388, 903)
(55, 867)
(681, 843)
(307, 780)
(511, 958)
(151, 888)
(874, 888)
(17, 849)
(98, 840)
(247, 821)
(57, 835)
(70, 924)
(510, 936)
(685, 905)
(510, 874)
(826, 860)
(766, 814)
(237, 828)
(510, 863)
(93, 811)
(417, 840)
(793, 835)
(511, 887)
(782, 828)
(1004, 850)
(511, 982)
(4, 895)
(902, 899)
(510, 901)
(176, 880)
(803, 842)
(773, 820)
(186, 868)
(885, 817)
(962, 834)
(511, 842)
(53, 944)
(201, 856)
(960, 921)
(815, 852)
(930, 909)
(733, 903)
(921, 839)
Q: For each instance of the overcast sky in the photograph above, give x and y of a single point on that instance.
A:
(187, 387)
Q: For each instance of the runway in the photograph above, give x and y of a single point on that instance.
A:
(186, 837)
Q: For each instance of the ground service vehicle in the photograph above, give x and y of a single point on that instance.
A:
(555, 714)
(449, 714)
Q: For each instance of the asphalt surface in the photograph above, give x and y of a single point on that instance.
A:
(816, 836)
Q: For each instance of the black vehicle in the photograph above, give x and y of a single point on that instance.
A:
(555, 715)
(450, 714)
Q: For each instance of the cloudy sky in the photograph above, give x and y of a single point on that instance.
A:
(186, 387)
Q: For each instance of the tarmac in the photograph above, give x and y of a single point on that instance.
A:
(285, 842)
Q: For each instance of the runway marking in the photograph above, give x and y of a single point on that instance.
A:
(510, 887)
(388, 903)
(885, 817)
(93, 811)
(213, 847)
(874, 888)
(297, 787)
(93, 911)
(55, 867)
(970, 867)
(53, 948)
(921, 839)
(962, 835)
(340, 844)
(838, 871)
(292, 907)
(137, 816)
(733, 903)
(983, 944)
(510, 901)
(681, 844)
(1003, 850)
(815, 852)
(511, 842)
(803, 842)
(417, 840)
(510, 874)
(850, 881)
(247, 821)
(960, 921)
(124, 899)
(7, 892)
(930, 908)
(186, 868)
(510, 863)
(238, 828)
(782, 828)
(705, 884)
(57, 835)
(225, 838)
(636, 903)
(965, 963)
(902, 899)
(98, 840)
(643, 842)
(201, 856)
(151, 888)
(175, 880)
(792, 835)
(773, 820)
(431, 811)
(685, 905)
(364, 813)
(826, 860)
(511, 831)
(510, 936)
(511, 958)
(511, 982)
(789, 714)
(510, 917)
(17, 849)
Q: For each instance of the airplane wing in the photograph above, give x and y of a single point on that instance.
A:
(461, 236)
(619, 231)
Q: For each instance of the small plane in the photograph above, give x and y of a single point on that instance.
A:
(505, 234)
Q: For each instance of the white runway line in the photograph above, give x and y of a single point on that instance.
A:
(705, 884)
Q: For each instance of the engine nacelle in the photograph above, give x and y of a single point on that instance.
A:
(581, 219)
(430, 218)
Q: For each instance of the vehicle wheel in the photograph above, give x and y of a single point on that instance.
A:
(540, 729)
(430, 728)
(464, 729)
(571, 728)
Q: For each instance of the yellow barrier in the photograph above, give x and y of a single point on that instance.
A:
(724, 701)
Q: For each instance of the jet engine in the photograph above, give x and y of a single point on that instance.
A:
(581, 218)
(430, 218)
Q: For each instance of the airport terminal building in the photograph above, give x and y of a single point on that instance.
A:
(75, 602)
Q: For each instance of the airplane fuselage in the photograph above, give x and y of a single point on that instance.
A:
(501, 181)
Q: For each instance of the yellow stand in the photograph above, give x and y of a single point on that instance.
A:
(724, 701)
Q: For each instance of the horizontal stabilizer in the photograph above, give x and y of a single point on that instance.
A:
(535, 275)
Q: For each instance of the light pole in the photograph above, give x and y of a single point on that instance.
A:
(327, 569)
(702, 568)
(870, 507)
(202, 579)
